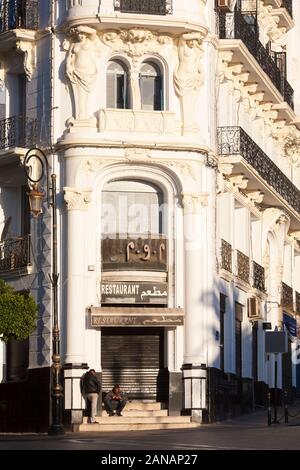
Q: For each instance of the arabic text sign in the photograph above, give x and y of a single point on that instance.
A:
(134, 293)
(136, 320)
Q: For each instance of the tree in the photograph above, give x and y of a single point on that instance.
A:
(18, 313)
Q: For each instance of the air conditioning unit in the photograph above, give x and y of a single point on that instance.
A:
(254, 308)
(224, 4)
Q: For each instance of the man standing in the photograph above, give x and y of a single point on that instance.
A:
(91, 388)
(115, 400)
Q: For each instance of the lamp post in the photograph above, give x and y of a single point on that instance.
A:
(36, 195)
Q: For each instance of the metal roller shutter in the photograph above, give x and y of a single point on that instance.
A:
(133, 358)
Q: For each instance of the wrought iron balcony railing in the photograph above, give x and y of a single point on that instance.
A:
(17, 131)
(14, 253)
(146, 7)
(243, 266)
(226, 256)
(258, 276)
(297, 298)
(244, 26)
(286, 296)
(235, 141)
(288, 5)
(148, 253)
(18, 14)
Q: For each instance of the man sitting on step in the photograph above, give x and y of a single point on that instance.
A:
(115, 401)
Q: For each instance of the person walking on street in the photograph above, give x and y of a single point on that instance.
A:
(91, 388)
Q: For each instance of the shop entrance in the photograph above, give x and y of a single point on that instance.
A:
(133, 358)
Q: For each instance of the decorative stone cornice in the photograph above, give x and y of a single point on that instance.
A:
(77, 199)
(136, 42)
(193, 203)
(238, 182)
(269, 21)
(256, 197)
(29, 51)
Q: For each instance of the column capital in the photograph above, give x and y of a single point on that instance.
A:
(77, 199)
(193, 202)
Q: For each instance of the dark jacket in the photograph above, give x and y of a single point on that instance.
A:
(110, 396)
(90, 383)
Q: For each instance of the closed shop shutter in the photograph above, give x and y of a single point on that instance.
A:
(133, 358)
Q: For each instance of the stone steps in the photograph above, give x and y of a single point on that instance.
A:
(144, 405)
(138, 415)
(135, 414)
(132, 427)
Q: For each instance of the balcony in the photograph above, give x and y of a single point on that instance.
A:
(287, 296)
(243, 267)
(238, 148)
(145, 7)
(129, 120)
(17, 131)
(244, 26)
(138, 253)
(226, 256)
(14, 254)
(18, 14)
(258, 276)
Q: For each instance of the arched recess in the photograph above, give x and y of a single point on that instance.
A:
(169, 185)
(117, 84)
(275, 228)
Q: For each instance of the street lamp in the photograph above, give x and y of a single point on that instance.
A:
(36, 195)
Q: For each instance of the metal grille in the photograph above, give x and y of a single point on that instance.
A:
(288, 4)
(243, 266)
(133, 358)
(18, 14)
(148, 7)
(17, 131)
(258, 276)
(235, 141)
(297, 302)
(226, 256)
(14, 253)
(287, 296)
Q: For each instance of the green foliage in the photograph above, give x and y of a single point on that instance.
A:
(18, 313)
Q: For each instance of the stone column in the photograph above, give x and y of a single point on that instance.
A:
(75, 356)
(77, 204)
(195, 296)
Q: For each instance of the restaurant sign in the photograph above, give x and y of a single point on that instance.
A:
(134, 293)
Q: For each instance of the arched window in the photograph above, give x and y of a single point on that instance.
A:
(151, 87)
(117, 95)
(132, 207)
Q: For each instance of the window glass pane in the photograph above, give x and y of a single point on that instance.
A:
(151, 87)
(131, 207)
(116, 86)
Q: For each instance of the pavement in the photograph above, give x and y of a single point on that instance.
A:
(247, 432)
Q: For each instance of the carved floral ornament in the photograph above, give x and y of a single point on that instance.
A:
(193, 203)
(77, 199)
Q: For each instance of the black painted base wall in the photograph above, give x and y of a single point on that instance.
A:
(24, 405)
(228, 395)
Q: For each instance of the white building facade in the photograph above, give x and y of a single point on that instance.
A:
(173, 130)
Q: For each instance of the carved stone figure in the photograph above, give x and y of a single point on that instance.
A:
(82, 68)
(188, 75)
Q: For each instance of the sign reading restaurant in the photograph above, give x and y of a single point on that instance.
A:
(134, 292)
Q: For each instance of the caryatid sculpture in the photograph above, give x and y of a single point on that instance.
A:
(82, 68)
(188, 77)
